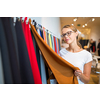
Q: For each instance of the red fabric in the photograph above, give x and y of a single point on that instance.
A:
(31, 53)
(93, 48)
(35, 68)
(58, 46)
(55, 44)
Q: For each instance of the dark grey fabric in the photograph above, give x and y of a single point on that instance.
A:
(25, 66)
(59, 44)
(14, 37)
(1, 70)
(5, 56)
(12, 51)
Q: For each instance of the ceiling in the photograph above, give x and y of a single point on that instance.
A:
(81, 21)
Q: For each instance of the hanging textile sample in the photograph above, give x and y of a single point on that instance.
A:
(5, 56)
(1, 70)
(25, 67)
(44, 34)
(42, 64)
(59, 44)
(50, 40)
(31, 52)
(62, 70)
(55, 44)
(12, 51)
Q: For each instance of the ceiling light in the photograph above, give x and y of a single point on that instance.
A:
(74, 20)
(93, 19)
(85, 24)
(72, 24)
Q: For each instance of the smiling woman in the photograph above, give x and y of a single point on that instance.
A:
(75, 55)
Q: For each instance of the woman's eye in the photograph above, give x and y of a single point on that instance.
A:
(68, 33)
(64, 34)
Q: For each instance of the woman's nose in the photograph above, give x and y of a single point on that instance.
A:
(66, 36)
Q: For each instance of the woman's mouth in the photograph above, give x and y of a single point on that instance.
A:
(67, 39)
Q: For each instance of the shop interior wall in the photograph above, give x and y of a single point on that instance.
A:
(50, 23)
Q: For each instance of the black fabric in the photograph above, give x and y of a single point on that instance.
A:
(91, 47)
(98, 48)
(83, 42)
(35, 25)
(14, 37)
(47, 73)
(5, 56)
(25, 67)
(12, 51)
(42, 34)
(94, 44)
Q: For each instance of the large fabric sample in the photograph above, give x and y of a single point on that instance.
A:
(1, 70)
(25, 67)
(12, 51)
(14, 37)
(5, 56)
(62, 70)
(37, 77)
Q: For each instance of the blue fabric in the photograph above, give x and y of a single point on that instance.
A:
(43, 70)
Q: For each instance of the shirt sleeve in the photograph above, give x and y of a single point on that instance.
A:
(89, 57)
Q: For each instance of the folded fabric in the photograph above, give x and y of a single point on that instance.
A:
(62, 70)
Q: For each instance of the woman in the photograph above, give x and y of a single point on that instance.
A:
(75, 55)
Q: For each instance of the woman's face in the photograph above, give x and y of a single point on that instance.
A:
(72, 35)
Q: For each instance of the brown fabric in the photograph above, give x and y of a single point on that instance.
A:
(62, 70)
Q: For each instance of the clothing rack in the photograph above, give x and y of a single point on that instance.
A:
(37, 25)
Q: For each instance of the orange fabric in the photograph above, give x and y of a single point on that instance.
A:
(44, 34)
(62, 70)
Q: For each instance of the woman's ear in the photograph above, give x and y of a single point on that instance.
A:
(76, 33)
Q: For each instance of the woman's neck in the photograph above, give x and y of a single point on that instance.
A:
(74, 48)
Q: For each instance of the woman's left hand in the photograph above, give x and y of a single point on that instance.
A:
(78, 73)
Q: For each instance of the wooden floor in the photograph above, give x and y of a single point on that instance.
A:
(94, 77)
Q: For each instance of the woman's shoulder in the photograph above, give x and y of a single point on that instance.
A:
(87, 52)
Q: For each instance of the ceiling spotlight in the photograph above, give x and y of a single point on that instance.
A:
(75, 19)
(72, 24)
(93, 19)
(85, 24)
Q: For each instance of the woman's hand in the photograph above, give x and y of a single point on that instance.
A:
(78, 73)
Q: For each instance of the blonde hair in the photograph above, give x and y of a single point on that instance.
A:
(75, 30)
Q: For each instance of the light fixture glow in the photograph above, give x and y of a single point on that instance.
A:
(93, 19)
(74, 20)
(85, 24)
(72, 24)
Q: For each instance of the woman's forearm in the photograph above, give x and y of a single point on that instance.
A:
(84, 78)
